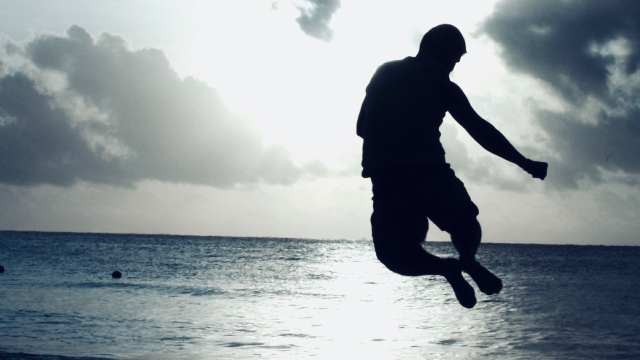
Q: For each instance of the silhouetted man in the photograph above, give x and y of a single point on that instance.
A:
(399, 122)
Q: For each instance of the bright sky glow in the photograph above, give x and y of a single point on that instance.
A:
(306, 94)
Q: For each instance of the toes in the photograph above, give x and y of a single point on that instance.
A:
(464, 291)
(487, 282)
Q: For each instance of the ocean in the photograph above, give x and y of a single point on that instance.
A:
(183, 297)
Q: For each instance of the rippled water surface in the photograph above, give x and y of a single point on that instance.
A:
(242, 298)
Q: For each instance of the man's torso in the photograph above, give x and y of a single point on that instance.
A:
(401, 115)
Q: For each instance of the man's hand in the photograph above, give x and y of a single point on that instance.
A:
(537, 169)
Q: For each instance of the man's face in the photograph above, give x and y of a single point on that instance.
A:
(451, 60)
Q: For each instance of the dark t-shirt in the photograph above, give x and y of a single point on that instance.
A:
(401, 115)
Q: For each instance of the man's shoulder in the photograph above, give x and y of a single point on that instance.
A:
(399, 63)
(396, 69)
(407, 74)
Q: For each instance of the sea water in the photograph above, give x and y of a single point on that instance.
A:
(248, 298)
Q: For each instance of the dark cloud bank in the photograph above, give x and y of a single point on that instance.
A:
(589, 51)
(90, 109)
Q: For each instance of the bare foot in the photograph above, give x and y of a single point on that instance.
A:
(464, 291)
(487, 282)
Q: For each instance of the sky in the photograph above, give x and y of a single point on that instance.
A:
(237, 118)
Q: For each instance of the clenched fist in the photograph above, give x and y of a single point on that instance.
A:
(537, 169)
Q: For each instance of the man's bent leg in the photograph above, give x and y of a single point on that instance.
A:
(398, 232)
(466, 236)
(397, 237)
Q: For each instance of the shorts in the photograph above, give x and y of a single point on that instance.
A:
(405, 198)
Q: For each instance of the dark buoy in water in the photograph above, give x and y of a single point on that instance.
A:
(116, 274)
(1, 269)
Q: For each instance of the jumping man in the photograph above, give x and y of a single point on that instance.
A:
(399, 122)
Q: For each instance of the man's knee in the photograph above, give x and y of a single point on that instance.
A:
(405, 260)
(385, 256)
(398, 228)
(392, 260)
(466, 236)
(467, 227)
(386, 244)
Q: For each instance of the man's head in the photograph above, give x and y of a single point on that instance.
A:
(443, 44)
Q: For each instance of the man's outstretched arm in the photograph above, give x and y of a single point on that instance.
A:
(488, 136)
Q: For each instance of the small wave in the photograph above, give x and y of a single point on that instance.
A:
(179, 338)
(208, 292)
(297, 335)
(23, 356)
(447, 342)
(166, 288)
(240, 344)
(279, 347)
(493, 301)
(291, 258)
(107, 284)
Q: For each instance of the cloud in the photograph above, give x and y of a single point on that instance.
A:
(80, 108)
(606, 151)
(589, 52)
(315, 17)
